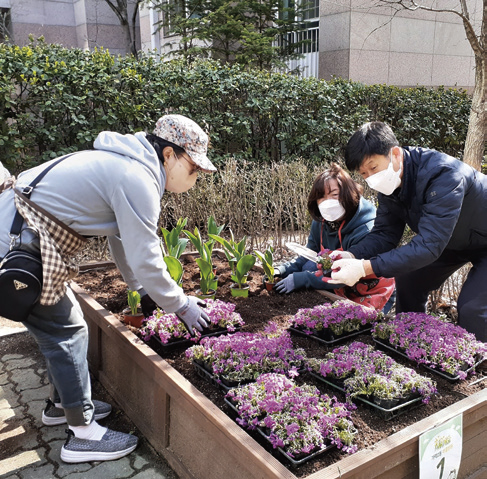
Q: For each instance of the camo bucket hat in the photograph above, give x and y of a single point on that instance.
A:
(187, 134)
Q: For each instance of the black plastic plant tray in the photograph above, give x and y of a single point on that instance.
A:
(443, 374)
(339, 339)
(385, 413)
(186, 343)
(295, 462)
(219, 383)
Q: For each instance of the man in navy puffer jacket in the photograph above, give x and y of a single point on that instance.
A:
(443, 201)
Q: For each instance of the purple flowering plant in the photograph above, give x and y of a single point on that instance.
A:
(168, 326)
(298, 419)
(324, 259)
(244, 356)
(340, 316)
(431, 341)
(368, 372)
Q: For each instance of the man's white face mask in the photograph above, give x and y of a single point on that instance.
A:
(385, 181)
(331, 210)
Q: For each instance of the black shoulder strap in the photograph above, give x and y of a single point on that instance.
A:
(27, 191)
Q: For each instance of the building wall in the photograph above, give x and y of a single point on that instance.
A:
(366, 43)
(72, 23)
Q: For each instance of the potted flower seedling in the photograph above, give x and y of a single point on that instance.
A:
(174, 268)
(213, 229)
(205, 250)
(325, 260)
(242, 268)
(234, 250)
(173, 245)
(267, 260)
(133, 314)
(207, 280)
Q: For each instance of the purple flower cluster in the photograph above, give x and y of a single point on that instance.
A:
(244, 356)
(340, 316)
(369, 372)
(298, 419)
(431, 341)
(324, 259)
(168, 326)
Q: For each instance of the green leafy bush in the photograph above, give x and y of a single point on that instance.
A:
(55, 100)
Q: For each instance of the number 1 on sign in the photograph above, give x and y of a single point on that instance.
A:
(442, 465)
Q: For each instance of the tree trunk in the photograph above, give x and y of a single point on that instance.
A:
(477, 124)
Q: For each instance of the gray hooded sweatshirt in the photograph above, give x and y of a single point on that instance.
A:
(114, 190)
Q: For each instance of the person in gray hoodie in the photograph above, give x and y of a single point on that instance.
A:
(114, 190)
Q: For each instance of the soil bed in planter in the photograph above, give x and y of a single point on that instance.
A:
(107, 287)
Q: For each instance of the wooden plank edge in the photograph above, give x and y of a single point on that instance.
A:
(393, 445)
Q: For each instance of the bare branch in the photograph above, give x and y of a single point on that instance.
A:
(472, 37)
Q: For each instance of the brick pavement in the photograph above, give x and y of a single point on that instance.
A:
(30, 450)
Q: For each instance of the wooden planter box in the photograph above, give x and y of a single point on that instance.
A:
(200, 442)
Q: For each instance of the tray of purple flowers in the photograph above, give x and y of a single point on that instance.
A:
(298, 421)
(233, 359)
(462, 368)
(371, 377)
(443, 348)
(294, 459)
(333, 323)
(168, 332)
(326, 336)
(203, 370)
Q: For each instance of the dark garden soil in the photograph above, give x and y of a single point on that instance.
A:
(108, 288)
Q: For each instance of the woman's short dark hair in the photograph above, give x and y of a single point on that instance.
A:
(160, 143)
(374, 138)
(349, 196)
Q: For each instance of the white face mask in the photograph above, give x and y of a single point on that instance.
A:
(331, 210)
(178, 178)
(385, 181)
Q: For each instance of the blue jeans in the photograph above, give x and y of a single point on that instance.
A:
(62, 335)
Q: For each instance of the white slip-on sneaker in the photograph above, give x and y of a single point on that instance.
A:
(53, 416)
(113, 445)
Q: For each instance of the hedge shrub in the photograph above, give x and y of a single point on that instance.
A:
(55, 100)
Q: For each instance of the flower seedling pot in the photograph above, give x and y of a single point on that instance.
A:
(133, 320)
(210, 295)
(239, 292)
(269, 285)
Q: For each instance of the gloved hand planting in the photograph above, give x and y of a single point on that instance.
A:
(148, 305)
(193, 316)
(347, 271)
(337, 254)
(286, 285)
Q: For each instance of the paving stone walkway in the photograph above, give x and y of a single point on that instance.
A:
(30, 450)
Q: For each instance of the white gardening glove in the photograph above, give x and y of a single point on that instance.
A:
(347, 271)
(192, 315)
(337, 254)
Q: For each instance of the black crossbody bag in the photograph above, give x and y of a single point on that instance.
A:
(21, 271)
